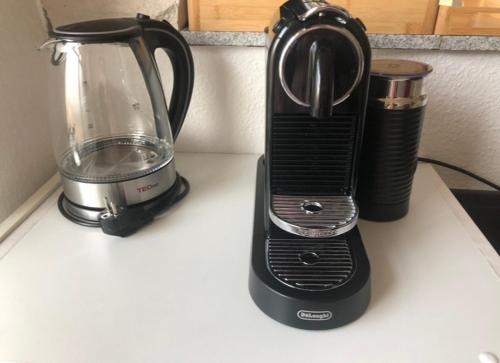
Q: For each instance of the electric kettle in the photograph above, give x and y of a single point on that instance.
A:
(113, 133)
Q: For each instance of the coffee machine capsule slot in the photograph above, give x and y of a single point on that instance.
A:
(297, 46)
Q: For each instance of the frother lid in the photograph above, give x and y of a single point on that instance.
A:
(399, 68)
(398, 84)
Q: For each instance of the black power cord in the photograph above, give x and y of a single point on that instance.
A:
(130, 219)
(461, 170)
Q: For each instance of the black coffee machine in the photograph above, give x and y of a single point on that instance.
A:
(309, 268)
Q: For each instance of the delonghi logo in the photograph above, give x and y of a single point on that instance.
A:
(314, 315)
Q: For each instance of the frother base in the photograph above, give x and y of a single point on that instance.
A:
(376, 212)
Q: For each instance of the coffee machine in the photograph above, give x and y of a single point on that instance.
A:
(309, 268)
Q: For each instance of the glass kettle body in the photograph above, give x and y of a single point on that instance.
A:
(113, 133)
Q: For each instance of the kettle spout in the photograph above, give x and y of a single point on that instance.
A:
(48, 43)
(57, 56)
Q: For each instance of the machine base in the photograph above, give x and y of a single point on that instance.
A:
(325, 303)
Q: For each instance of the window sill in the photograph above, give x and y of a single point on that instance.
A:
(377, 41)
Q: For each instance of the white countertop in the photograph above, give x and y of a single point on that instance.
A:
(177, 290)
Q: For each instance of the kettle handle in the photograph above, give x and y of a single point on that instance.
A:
(160, 34)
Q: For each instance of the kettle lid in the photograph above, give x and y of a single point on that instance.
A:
(102, 30)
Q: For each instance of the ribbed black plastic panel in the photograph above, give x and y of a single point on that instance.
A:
(318, 264)
(312, 156)
(389, 157)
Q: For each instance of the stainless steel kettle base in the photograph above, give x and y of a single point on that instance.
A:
(78, 214)
(125, 193)
(93, 217)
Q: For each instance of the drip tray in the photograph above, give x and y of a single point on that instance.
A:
(310, 264)
(314, 216)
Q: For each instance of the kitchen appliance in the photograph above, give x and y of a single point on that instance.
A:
(309, 268)
(394, 118)
(113, 133)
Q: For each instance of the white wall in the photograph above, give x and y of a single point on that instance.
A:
(26, 160)
(227, 109)
(462, 124)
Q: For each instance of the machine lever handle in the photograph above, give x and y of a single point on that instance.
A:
(320, 90)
